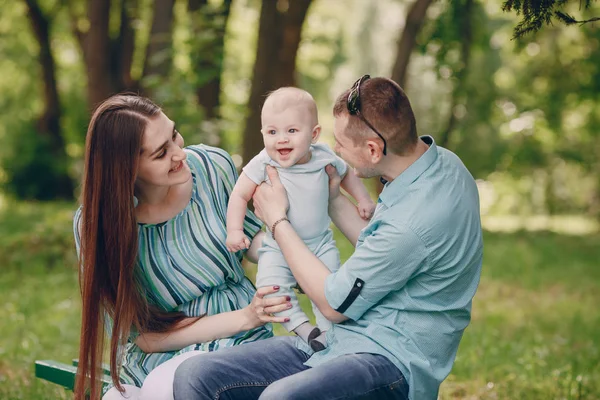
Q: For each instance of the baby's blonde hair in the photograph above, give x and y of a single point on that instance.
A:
(285, 97)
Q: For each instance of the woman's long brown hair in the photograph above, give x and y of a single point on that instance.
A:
(109, 240)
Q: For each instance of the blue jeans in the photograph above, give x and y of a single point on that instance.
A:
(274, 369)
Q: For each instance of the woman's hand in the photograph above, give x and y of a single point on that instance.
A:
(271, 201)
(260, 311)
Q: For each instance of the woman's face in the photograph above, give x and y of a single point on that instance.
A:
(162, 159)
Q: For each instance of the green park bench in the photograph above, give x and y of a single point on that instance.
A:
(63, 374)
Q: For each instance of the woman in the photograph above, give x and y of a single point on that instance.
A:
(154, 270)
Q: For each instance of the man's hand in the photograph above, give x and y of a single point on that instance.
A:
(271, 201)
(236, 241)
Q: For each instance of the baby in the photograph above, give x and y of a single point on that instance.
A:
(290, 130)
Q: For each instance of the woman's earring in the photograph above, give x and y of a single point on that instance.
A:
(135, 202)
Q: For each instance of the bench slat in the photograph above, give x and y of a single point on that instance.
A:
(105, 367)
(60, 373)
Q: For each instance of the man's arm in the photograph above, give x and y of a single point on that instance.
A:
(388, 257)
(309, 271)
(386, 260)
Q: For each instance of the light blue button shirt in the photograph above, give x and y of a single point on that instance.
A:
(407, 288)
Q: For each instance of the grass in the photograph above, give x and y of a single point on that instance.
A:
(534, 333)
(40, 299)
(535, 327)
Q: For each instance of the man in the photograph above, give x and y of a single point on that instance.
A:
(400, 303)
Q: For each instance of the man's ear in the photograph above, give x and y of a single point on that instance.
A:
(374, 150)
(316, 133)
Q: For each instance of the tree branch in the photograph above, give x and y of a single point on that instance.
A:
(570, 20)
(408, 39)
(536, 13)
(49, 123)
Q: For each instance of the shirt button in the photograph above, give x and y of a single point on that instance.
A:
(358, 284)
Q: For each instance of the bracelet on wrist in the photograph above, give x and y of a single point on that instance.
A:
(275, 225)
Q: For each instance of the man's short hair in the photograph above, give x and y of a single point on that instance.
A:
(385, 105)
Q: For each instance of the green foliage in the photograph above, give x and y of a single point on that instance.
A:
(475, 137)
(536, 14)
(525, 109)
(31, 171)
(321, 50)
(178, 100)
(40, 305)
(26, 167)
(534, 321)
(530, 111)
(35, 233)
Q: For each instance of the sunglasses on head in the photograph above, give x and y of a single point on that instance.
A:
(353, 105)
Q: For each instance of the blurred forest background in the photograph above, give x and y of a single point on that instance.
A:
(515, 92)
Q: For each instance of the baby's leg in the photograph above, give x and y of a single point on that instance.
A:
(273, 271)
(330, 256)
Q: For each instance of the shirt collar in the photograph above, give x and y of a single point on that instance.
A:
(393, 190)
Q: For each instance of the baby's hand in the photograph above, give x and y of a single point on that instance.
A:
(366, 208)
(236, 241)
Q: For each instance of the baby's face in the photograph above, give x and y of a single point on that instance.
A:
(288, 134)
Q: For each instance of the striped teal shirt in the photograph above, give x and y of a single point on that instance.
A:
(407, 289)
(184, 264)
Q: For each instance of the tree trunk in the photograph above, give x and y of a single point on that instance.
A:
(208, 53)
(49, 122)
(124, 46)
(465, 25)
(101, 84)
(275, 65)
(292, 31)
(79, 35)
(159, 53)
(408, 39)
(107, 61)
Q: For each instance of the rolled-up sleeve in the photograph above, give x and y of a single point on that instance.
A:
(384, 261)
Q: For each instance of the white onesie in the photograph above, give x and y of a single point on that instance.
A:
(307, 187)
